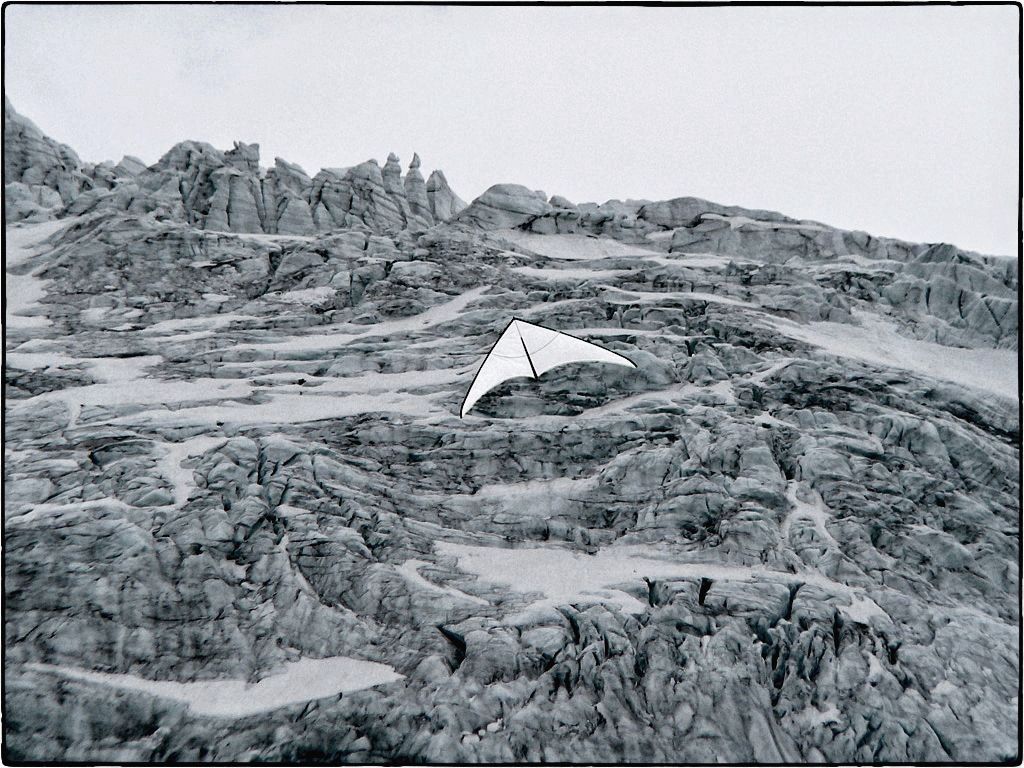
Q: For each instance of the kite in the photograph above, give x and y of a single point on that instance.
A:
(525, 349)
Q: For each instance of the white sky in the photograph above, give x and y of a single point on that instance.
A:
(900, 121)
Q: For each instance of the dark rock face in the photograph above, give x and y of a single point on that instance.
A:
(233, 446)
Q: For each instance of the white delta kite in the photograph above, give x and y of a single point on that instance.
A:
(525, 349)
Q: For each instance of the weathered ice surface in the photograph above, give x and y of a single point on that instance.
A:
(244, 521)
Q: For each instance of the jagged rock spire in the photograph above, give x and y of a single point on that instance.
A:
(444, 203)
(416, 192)
(211, 188)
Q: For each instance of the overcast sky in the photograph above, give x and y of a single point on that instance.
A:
(900, 121)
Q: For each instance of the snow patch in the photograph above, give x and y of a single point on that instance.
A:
(24, 291)
(437, 315)
(37, 361)
(530, 498)
(574, 247)
(661, 296)
(699, 260)
(300, 681)
(121, 370)
(877, 341)
(23, 295)
(143, 392)
(410, 571)
(259, 236)
(814, 510)
(21, 239)
(570, 274)
(735, 222)
(93, 315)
(563, 576)
(305, 295)
(57, 511)
(209, 323)
(285, 409)
(182, 479)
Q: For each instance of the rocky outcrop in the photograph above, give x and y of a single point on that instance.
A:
(236, 204)
(395, 187)
(444, 204)
(503, 206)
(227, 192)
(633, 221)
(416, 193)
(129, 166)
(614, 218)
(180, 186)
(742, 234)
(355, 197)
(686, 211)
(951, 296)
(41, 175)
(290, 176)
(284, 197)
(31, 202)
(224, 191)
(244, 157)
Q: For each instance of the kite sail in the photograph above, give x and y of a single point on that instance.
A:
(525, 349)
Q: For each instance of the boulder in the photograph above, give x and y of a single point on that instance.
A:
(504, 206)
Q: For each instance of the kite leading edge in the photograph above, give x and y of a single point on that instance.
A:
(525, 349)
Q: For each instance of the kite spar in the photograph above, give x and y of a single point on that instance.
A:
(525, 349)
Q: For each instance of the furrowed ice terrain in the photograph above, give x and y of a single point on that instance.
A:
(244, 521)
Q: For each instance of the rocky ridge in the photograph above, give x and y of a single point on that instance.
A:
(791, 534)
(224, 191)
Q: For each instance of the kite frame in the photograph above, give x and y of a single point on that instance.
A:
(527, 351)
